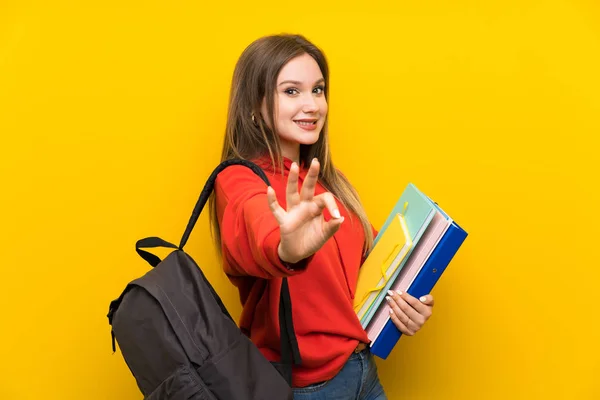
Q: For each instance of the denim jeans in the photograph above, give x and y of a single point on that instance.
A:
(358, 380)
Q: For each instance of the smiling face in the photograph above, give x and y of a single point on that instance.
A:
(300, 105)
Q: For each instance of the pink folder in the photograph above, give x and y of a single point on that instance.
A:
(431, 237)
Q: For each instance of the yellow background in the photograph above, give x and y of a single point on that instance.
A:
(112, 116)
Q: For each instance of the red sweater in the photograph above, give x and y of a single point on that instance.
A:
(322, 293)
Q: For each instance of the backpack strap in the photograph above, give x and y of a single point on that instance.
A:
(208, 188)
(290, 353)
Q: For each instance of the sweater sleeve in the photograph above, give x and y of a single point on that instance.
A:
(250, 233)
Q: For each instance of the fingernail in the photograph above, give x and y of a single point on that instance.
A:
(391, 312)
(423, 298)
(390, 293)
(399, 292)
(388, 298)
(336, 213)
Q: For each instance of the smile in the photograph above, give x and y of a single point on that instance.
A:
(306, 123)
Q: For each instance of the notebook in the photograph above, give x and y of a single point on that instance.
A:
(426, 279)
(382, 261)
(418, 211)
(419, 256)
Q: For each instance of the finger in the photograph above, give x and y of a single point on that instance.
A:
(406, 307)
(398, 319)
(327, 200)
(306, 211)
(310, 182)
(413, 326)
(397, 310)
(309, 210)
(276, 209)
(291, 193)
(419, 305)
(427, 300)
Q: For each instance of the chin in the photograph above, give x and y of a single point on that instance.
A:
(309, 139)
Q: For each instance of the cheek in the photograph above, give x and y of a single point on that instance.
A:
(323, 107)
(287, 109)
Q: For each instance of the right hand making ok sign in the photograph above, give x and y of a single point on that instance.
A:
(302, 226)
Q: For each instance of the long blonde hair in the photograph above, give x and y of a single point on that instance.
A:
(247, 136)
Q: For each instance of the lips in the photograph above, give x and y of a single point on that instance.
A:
(307, 124)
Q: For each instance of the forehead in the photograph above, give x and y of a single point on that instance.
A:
(303, 68)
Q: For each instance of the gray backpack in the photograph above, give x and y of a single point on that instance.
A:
(177, 337)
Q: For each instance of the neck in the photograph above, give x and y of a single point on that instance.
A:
(291, 150)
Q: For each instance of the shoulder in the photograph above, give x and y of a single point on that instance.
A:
(237, 173)
(238, 179)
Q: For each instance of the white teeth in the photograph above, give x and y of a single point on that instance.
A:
(305, 123)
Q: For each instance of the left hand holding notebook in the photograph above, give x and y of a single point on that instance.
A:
(408, 313)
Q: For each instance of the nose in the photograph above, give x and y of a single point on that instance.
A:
(309, 105)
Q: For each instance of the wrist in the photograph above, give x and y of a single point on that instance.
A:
(294, 265)
(284, 258)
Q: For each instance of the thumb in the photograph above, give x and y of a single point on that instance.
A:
(332, 226)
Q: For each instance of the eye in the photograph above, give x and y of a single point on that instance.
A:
(291, 91)
(319, 89)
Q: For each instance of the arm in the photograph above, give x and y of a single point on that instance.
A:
(250, 234)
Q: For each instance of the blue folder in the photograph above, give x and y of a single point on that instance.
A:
(423, 283)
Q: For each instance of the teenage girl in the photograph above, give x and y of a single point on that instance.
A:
(308, 226)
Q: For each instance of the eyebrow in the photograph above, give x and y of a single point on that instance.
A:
(299, 83)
